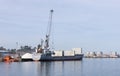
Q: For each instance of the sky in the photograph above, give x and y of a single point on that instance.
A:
(89, 24)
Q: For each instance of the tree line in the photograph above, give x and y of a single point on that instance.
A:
(25, 48)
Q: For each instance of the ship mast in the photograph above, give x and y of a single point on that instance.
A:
(48, 31)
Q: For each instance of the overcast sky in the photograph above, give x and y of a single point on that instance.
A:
(93, 25)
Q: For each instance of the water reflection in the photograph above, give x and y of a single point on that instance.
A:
(44, 69)
(59, 68)
(87, 67)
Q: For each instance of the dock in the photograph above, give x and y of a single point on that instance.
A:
(101, 55)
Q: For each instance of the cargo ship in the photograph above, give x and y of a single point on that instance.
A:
(44, 53)
(54, 55)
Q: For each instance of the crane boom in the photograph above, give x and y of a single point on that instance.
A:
(50, 23)
(49, 30)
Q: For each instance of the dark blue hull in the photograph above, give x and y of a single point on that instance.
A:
(61, 58)
(58, 58)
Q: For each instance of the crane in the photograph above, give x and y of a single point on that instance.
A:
(48, 31)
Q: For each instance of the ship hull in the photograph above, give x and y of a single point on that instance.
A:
(57, 58)
(61, 58)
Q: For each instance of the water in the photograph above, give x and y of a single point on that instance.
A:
(87, 67)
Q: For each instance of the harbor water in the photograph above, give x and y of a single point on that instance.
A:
(86, 67)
